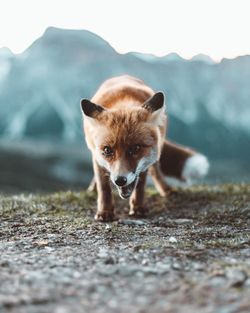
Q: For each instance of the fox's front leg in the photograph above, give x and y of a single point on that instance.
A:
(105, 205)
(159, 180)
(136, 200)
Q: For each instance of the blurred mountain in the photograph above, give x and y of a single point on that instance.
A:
(5, 64)
(208, 103)
(203, 58)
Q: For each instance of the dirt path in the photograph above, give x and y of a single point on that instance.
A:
(192, 254)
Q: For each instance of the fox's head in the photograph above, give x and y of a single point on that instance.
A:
(125, 141)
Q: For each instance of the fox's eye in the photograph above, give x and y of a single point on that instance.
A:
(108, 151)
(134, 149)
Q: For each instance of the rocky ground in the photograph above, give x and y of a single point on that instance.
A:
(192, 254)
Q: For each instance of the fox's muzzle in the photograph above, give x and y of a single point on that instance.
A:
(126, 191)
(121, 181)
(125, 183)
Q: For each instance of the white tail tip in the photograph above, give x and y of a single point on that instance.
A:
(195, 167)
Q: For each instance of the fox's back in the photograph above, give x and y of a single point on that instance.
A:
(121, 91)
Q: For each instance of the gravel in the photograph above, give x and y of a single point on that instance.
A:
(192, 254)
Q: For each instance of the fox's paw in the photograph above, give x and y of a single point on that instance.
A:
(138, 212)
(165, 191)
(105, 216)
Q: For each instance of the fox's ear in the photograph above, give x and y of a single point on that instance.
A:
(155, 102)
(91, 109)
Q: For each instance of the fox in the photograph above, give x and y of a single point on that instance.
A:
(125, 125)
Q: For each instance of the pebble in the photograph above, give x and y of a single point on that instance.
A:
(198, 266)
(183, 221)
(172, 239)
(176, 266)
(103, 253)
(217, 281)
(110, 260)
(236, 277)
(107, 272)
(4, 263)
(132, 222)
(247, 283)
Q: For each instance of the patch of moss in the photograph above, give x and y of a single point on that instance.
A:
(206, 205)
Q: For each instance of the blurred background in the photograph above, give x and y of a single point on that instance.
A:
(55, 53)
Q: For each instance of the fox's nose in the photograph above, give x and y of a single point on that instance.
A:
(121, 181)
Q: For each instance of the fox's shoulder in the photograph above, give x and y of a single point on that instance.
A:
(120, 89)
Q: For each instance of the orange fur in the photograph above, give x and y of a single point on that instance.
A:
(125, 126)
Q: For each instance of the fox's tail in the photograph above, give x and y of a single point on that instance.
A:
(182, 163)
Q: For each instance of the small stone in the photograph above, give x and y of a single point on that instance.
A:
(103, 253)
(149, 270)
(42, 243)
(183, 221)
(247, 283)
(163, 268)
(110, 260)
(107, 271)
(128, 270)
(61, 309)
(236, 277)
(172, 239)
(217, 281)
(132, 222)
(4, 263)
(176, 266)
(198, 266)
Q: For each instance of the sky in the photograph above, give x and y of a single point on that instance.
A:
(218, 28)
